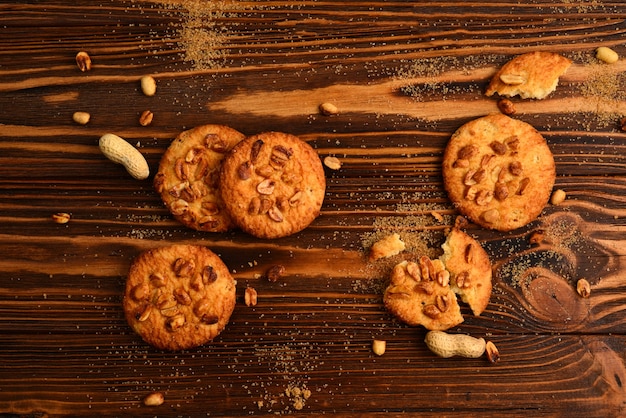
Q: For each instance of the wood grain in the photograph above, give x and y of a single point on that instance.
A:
(404, 76)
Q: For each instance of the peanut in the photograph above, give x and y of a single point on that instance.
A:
(513, 79)
(81, 118)
(250, 296)
(493, 355)
(83, 61)
(506, 106)
(61, 217)
(328, 109)
(148, 85)
(146, 117)
(558, 197)
(154, 399)
(119, 151)
(607, 55)
(448, 345)
(583, 288)
(379, 347)
(331, 162)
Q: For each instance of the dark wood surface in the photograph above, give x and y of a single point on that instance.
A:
(404, 76)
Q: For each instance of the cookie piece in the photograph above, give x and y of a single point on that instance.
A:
(425, 292)
(388, 246)
(178, 297)
(470, 269)
(188, 177)
(273, 184)
(498, 172)
(532, 75)
(419, 293)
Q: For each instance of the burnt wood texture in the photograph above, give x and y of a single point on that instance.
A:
(404, 76)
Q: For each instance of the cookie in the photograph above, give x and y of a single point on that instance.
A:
(498, 172)
(178, 297)
(470, 269)
(188, 176)
(272, 184)
(424, 292)
(419, 293)
(533, 75)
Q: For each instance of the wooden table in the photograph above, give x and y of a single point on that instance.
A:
(404, 76)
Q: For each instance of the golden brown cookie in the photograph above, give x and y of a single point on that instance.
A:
(178, 297)
(273, 184)
(419, 293)
(470, 269)
(532, 75)
(424, 292)
(498, 172)
(188, 177)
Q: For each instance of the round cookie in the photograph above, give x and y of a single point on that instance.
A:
(273, 184)
(498, 172)
(178, 297)
(419, 293)
(188, 176)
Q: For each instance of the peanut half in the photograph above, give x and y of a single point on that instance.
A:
(154, 399)
(449, 345)
(148, 85)
(607, 55)
(379, 347)
(119, 151)
(81, 118)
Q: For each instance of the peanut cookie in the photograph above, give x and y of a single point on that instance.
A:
(498, 172)
(188, 177)
(470, 269)
(273, 184)
(178, 297)
(533, 75)
(424, 292)
(419, 294)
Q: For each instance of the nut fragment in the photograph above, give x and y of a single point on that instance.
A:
(83, 60)
(146, 117)
(61, 217)
(513, 79)
(275, 272)
(148, 85)
(266, 187)
(498, 147)
(506, 107)
(583, 288)
(490, 216)
(558, 197)
(432, 311)
(183, 268)
(328, 109)
(81, 118)
(154, 399)
(607, 55)
(275, 214)
(332, 162)
(515, 168)
(250, 296)
(537, 237)
(379, 347)
(493, 355)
